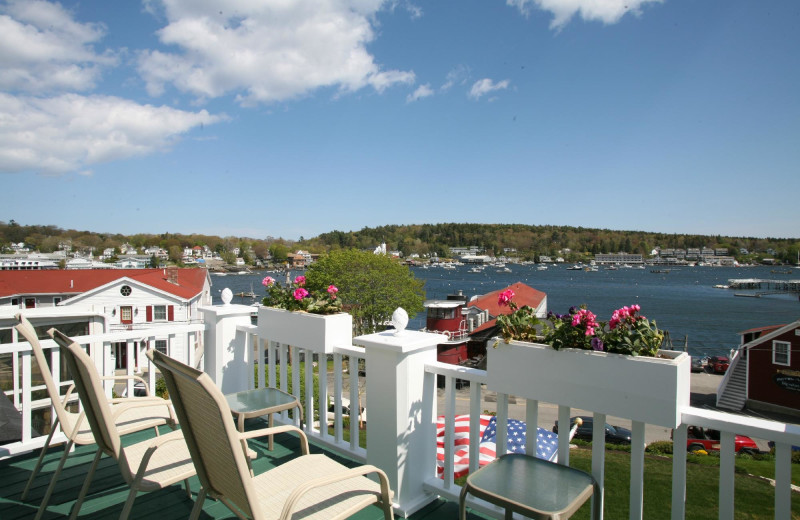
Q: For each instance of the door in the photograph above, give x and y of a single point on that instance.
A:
(126, 315)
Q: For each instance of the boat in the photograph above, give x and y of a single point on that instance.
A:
(504, 270)
(576, 267)
(659, 271)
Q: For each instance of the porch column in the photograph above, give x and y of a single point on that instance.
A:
(401, 412)
(225, 356)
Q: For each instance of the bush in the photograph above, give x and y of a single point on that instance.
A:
(660, 448)
(161, 388)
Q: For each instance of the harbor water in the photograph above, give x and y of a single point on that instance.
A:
(683, 300)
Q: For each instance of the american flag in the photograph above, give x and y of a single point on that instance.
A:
(546, 445)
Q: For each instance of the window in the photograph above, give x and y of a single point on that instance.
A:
(781, 351)
(30, 303)
(125, 290)
(56, 300)
(126, 314)
(441, 314)
(160, 312)
(161, 346)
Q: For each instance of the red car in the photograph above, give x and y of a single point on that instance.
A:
(719, 364)
(707, 439)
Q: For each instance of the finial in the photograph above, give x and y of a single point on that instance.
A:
(227, 296)
(399, 320)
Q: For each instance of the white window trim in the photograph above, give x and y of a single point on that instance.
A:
(775, 344)
(166, 313)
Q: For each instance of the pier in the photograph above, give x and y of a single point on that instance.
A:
(765, 286)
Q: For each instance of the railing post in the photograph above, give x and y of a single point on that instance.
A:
(401, 407)
(225, 357)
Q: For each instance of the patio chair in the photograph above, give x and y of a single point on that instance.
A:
(149, 465)
(310, 486)
(131, 415)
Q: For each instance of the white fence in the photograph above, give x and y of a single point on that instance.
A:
(399, 381)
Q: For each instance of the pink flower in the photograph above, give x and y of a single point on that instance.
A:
(332, 290)
(300, 293)
(505, 297)
(266, 282)
(300, 280)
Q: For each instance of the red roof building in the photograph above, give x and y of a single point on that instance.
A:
(523, 295)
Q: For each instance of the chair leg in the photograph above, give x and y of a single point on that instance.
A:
(188, 489)
(85, 489)
(126, 511)
(53, 480)
(462, 504)
(198, 505)
(38, 466)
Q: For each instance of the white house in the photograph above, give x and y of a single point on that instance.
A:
(127, 298)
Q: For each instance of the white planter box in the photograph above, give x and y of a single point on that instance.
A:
(316, 332)
(651, 390)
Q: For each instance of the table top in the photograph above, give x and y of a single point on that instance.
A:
(259, 399)
(531, 484)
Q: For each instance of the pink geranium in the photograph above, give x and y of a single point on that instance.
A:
(300, 280)
(505, 297)
(332, 290)
(300, 293)
(267, 281)
(586, 318)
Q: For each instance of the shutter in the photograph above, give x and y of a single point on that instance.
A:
(149, 313)
(171, 313)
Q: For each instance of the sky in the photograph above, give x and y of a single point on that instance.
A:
(292, 118)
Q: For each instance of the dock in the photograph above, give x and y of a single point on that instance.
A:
(764, 286)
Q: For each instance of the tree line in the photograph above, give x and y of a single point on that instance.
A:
(526, 241)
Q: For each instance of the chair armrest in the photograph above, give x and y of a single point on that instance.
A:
(121, 408)
(294, 497)
(125, 377)
(155, 444)
(263, 432)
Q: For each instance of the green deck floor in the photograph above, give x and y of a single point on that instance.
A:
(109, 491)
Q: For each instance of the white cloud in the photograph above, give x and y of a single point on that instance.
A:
(42, 48)
(485, 86)
(266, 52)
(606, 11)
(70, 132)
(422, 91)
(458, 75)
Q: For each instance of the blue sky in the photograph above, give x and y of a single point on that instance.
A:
(289, 119)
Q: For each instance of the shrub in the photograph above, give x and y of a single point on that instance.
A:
(660, 448)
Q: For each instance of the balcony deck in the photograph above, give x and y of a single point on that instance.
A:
(109, 491)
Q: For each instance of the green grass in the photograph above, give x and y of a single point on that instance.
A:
(754, 498)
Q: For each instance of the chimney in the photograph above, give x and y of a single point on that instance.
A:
(172, 274)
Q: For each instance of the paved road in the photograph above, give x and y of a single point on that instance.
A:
(703, 388)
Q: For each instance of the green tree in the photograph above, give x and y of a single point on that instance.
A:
(371, 286)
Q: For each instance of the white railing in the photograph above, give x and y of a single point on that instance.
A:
(184, 340)
(729, 425)
(400, 383)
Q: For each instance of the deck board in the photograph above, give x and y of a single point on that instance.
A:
(108, 492)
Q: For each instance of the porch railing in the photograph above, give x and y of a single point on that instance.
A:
(399, 382)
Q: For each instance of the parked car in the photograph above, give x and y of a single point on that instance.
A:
(719, 364)
(707, 439)
(614, 434)
(698, 364)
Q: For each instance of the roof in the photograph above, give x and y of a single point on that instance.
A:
(523, 295)
(763, 330)
(12, 283)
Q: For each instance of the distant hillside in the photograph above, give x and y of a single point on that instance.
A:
(529, 241)
(526, 241)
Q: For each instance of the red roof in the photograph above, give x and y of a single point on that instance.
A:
(190, 281)
(523, 295)
(763, 330)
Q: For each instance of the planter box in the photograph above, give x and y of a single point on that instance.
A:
(651, 390)
(316, 332)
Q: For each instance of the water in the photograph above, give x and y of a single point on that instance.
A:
(683, 301)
